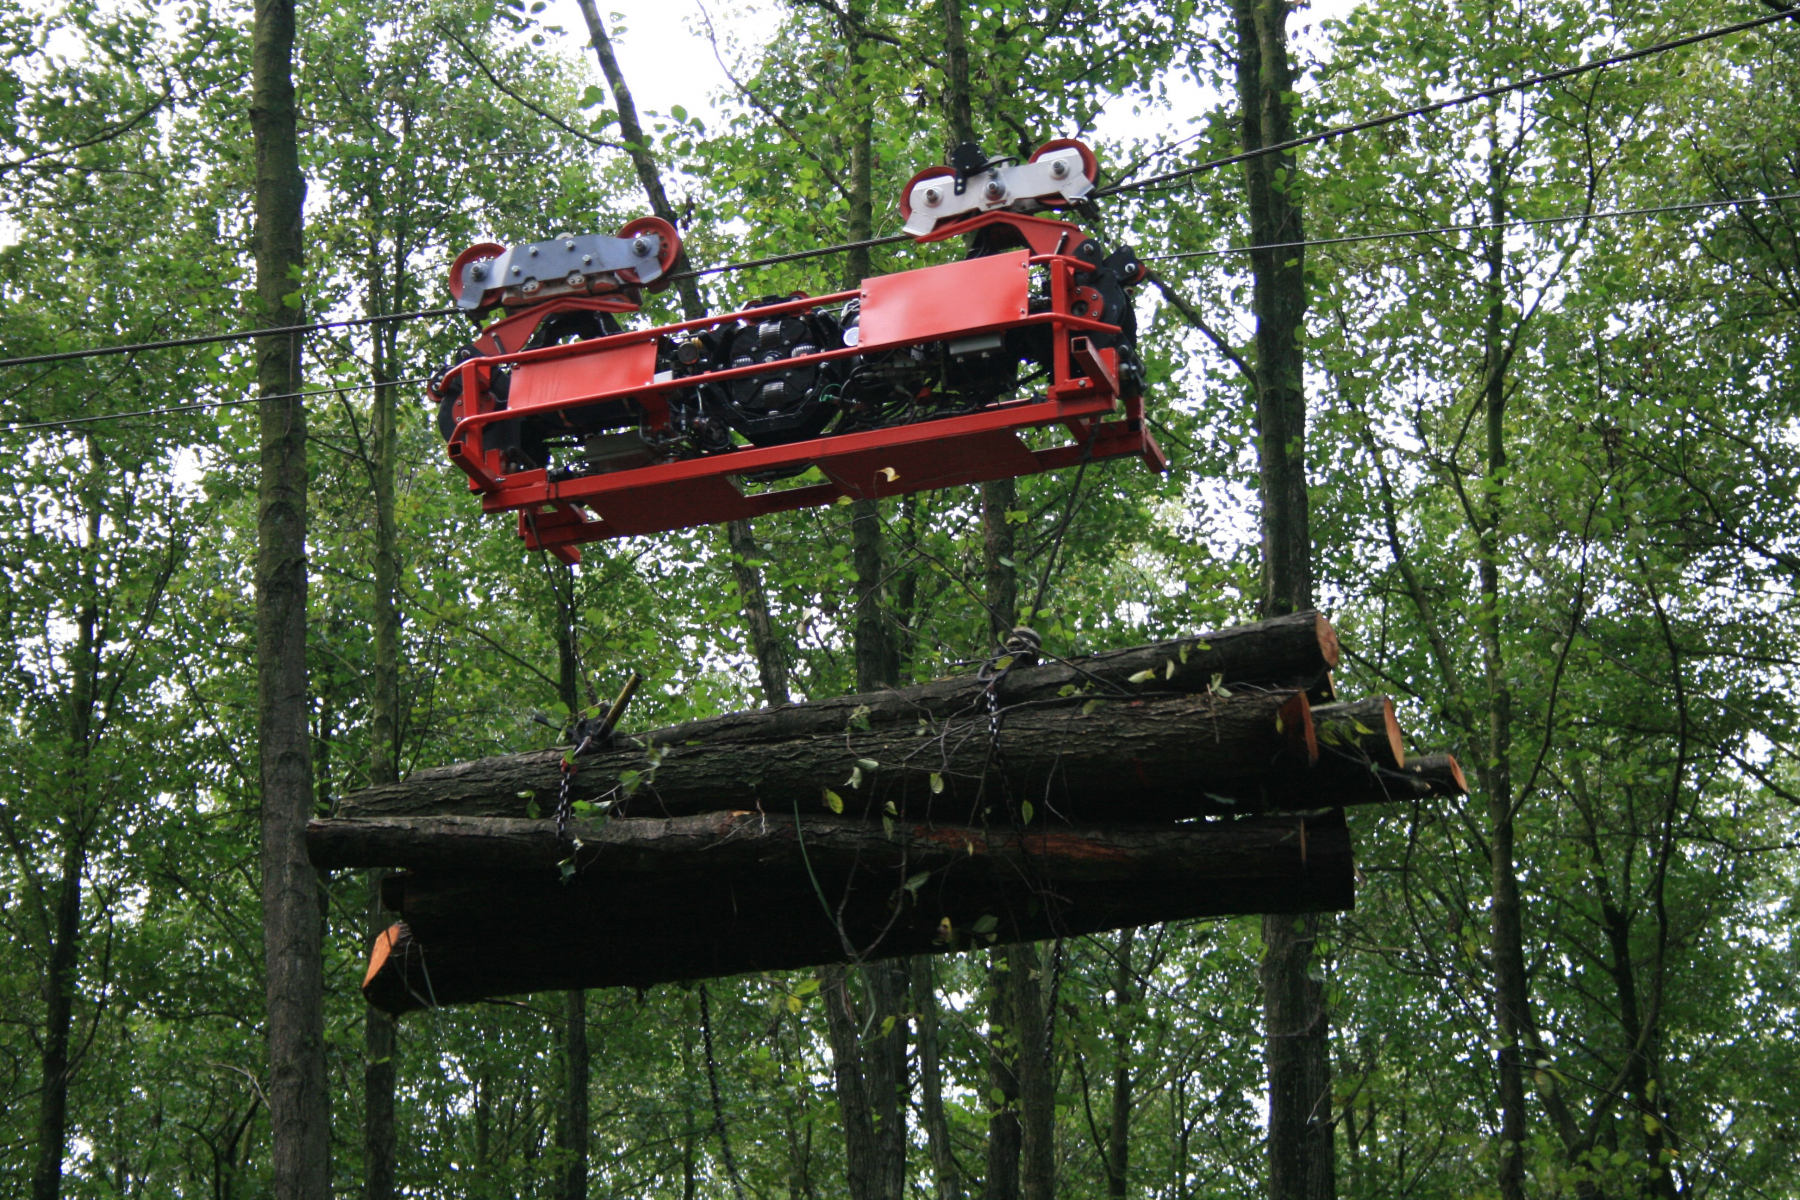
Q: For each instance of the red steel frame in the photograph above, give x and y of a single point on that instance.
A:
(959, 299)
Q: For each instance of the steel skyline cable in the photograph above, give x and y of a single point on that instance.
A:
(1422, 110)
(242, 335)
(1564, 219)
(202, 406)
(889, 239)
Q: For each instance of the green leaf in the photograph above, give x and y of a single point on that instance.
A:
(916, 882)
(833, 801)
(1088, 708)
(855, 780)
(678, 112)
(806, 987)
(1144, 676)
(986, 923)
(868, 764)
(937, 783)
(1026, 812)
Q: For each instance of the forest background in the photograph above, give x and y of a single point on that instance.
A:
(1553, 495)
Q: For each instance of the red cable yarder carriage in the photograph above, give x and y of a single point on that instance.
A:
(910, 382)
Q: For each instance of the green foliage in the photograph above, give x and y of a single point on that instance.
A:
(1616, 588)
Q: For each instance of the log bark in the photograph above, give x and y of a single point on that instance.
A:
(654, 901)
(1285, 652)
(1110, 760)
(1363, 727)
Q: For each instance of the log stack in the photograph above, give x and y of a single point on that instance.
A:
(1203, 776)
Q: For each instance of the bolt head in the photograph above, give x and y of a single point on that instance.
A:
(478, 271)
(532, 251)
(933, 197)
(587, 260)
(1059, 169)
(640, 247)
(995, 190)
(516, 271)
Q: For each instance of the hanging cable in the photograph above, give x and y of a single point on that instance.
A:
(1394, 118)
(241, 335)
(176, 410)
(1566, 218)
(890, 239)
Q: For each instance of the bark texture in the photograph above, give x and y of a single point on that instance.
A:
(1300, 1146)
(298, 1113)
(702, 764)
(55, 1063)
(728, 893)
(1173, 757)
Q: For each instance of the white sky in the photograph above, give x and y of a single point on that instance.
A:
(668, 60)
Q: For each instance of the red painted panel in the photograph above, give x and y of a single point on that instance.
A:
(953, 300)
(550, 380)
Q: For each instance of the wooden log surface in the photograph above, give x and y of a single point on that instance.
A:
(1079, 758)
(761, 893)
(1284, 653)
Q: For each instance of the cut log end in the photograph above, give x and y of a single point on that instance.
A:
(385, 941)
(1294, 720)
(1329, 649)
(1441, 772)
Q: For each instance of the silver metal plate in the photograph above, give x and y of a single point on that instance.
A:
(1022, 187)
(565, 262)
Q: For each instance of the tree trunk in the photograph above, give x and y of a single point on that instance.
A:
(765, 643)
(631, 132)
(574, 1125)
(1004, 1134)
(65, 931)
(1300, 1145)
(1510, 998)
(1118, 1128)
(729, 893)
(959, 109)
(946, 1179)
(770, 659)
(379, 1042)
(292, 926)
(1037, 1090)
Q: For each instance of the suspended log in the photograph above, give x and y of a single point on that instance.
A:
(1367, 728)
(1078, 758)
(647, 901)
(814, 745)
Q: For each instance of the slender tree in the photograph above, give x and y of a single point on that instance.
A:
(1301, 1148)
(292, 924)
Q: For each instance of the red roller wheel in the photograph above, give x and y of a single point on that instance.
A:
(1090, 166)
(671, 243)
(907, 191)
(475, 253)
